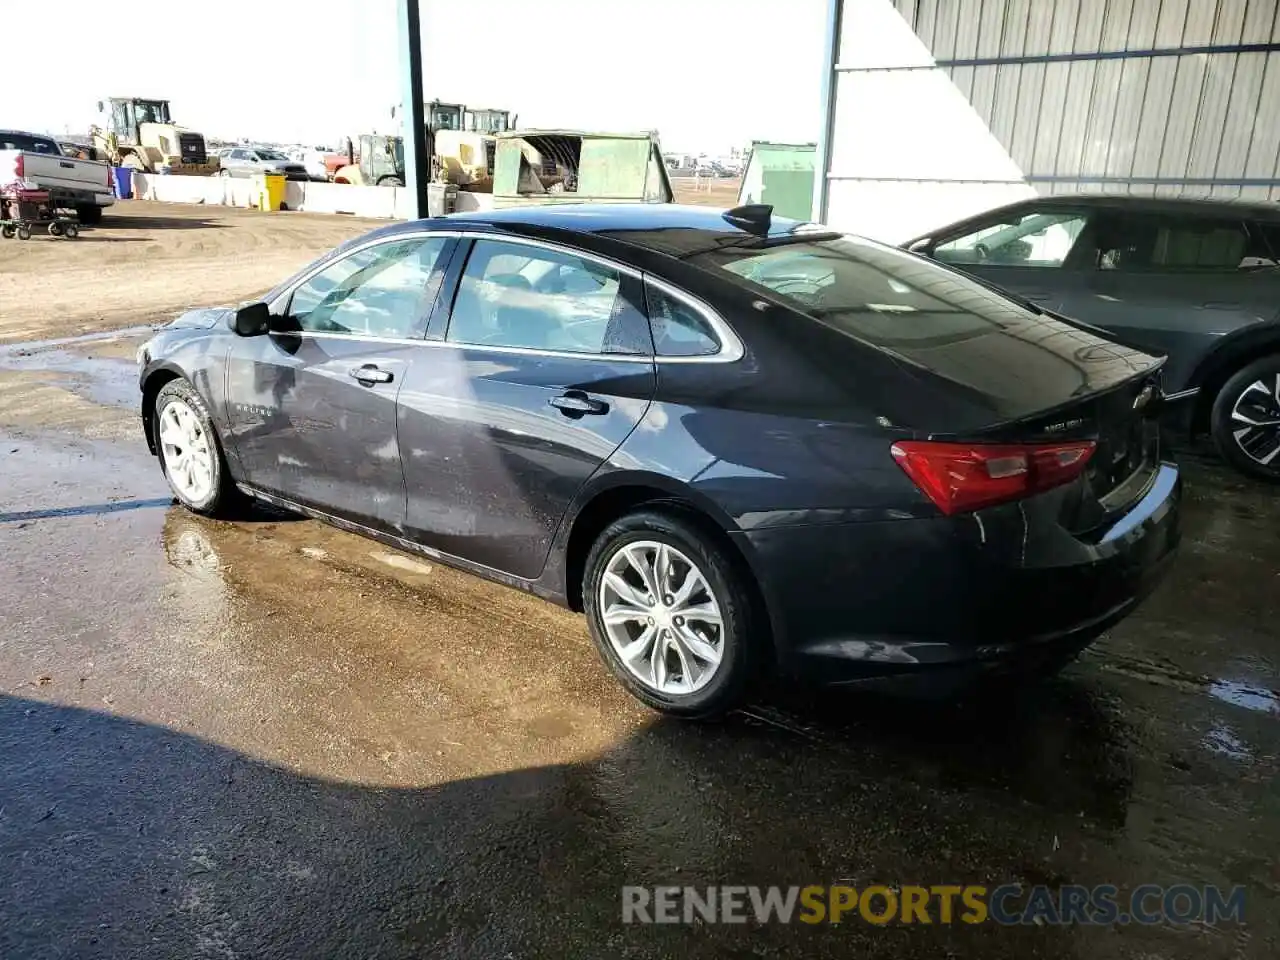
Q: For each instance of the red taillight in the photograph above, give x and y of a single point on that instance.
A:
(19, 167)
(959, 477)
(111, 180)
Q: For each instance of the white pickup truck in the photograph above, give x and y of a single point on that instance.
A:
(84, 186)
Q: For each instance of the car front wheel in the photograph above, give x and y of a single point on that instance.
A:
(671, 614)
(189, 452)
(1246, 419)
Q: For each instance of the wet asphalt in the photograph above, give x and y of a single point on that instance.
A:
(268, 738)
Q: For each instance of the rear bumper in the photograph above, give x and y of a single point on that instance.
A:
(926, 605)
(68, 197)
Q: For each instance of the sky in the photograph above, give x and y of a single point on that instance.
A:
(707, 74)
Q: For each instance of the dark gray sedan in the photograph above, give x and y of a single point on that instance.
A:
(1196, 280)
(740, 444)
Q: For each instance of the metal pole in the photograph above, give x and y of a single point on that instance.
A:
(822, 158)
(417, 165)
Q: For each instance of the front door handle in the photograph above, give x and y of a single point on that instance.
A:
(575, 403)
(370, 374)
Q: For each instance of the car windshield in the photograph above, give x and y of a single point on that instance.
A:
(270, 155)
(873, 292)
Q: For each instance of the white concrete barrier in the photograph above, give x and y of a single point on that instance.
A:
(344, 198)
(295, 194)
(313, 197)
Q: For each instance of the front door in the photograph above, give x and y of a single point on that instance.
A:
(545, 368)
(313, 403)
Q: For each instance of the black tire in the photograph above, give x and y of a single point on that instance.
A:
(89, 214)
(223, 494)
(1224, 427)
(741, 650)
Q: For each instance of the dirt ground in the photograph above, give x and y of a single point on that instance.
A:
(149, 261)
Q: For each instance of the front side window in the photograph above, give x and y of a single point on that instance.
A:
(1041, 239)
(380, 291)
(515, 295)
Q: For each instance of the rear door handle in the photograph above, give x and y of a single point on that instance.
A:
(575, 403)
(369, 374)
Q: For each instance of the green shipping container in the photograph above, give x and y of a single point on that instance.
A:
(781, 175)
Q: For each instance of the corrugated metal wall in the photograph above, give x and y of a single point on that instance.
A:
(1115, 118)
(1133, 96)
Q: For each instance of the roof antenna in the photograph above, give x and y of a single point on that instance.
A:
(752, 217)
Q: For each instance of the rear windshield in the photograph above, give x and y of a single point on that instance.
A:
(21, 141)
(874, 292)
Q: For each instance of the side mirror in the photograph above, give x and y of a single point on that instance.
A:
(100, 110)
(922, 246)
(252, 320)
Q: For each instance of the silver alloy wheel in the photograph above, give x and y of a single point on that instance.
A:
(188, 455)
(662, 617)
(1255, 420)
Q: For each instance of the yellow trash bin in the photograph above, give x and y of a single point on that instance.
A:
(271, 191)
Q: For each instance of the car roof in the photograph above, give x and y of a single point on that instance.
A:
(1188, 206)
(668, 228)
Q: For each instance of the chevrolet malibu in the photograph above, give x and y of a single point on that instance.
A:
(742, 446)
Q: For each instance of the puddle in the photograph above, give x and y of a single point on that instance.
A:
(1241, 694)
(103, 376)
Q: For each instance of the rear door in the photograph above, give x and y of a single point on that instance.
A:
(1174, 284)
(539, 372)
(313, 404)
(1028, 252)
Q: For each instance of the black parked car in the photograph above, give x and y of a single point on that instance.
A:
(1197, 280)
(741, 445)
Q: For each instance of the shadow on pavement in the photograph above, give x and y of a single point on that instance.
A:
(126, 839)
(113, 221)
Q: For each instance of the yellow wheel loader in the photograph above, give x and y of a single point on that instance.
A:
(141, 134)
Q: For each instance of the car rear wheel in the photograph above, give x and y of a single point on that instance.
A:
(1246, 419)
(670, 614)
(189, 451)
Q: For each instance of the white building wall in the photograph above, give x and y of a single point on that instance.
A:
(944, 108)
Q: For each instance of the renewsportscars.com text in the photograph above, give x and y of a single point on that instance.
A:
(1010, 904)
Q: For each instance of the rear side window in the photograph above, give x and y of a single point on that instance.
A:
(1143, 243)
(679, 330)
(537, 298)
(20, 141)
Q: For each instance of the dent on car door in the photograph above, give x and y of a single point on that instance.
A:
(312, 403)
(1175, 285)
(543, 371)
(1028, 252)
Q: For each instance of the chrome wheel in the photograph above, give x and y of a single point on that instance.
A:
(661, 617)
(188, 454)
(1255, 422)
